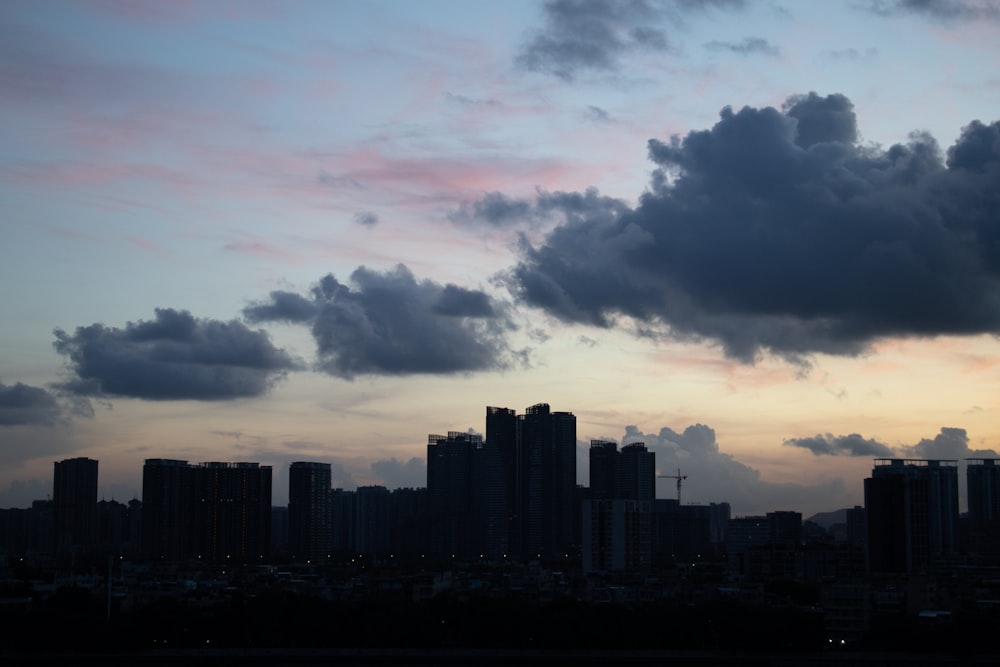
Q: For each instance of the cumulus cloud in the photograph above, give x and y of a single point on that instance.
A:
(21, 404)
(365, 218)
(396, 474)
(715, 476)
(173, 357)
(841, 445)
(950, 443)
(392, 324)
(749, 46)
(776, 230)
(595, 35)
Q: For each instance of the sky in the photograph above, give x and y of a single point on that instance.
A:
(763, 238)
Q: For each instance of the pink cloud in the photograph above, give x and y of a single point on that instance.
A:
(186, 11)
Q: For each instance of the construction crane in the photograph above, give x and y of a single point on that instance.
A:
(680, 478)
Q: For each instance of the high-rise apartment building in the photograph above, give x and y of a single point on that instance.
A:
(618, 518)
(234, 511)
(451, 495)
(168, 508)
(218, 512)
(912, 511)
(74, 502)
(309, 524)
(983, 489)
(616, 535)
(502, 451)
(547, 457)
(603, 470)
(636, 474)
(372, 523)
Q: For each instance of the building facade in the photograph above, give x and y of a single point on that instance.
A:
(309, 524)
(74, 504)
(912, 513)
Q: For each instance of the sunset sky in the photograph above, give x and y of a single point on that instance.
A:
(761, 237)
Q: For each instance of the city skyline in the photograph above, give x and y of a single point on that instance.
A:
(755, 238)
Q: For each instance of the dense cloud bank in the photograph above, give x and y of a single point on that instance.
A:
(776, 230)
(392, 324)
(175, 356)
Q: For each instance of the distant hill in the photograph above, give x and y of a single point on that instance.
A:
(827, 519)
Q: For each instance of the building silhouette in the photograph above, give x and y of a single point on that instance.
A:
(912, 513)
(167, 510)
(686, 533)
(983, 489)
(74, 504)
(546, 449)
(372, 522)
(504, 532)
(617, 519)
(603, 469)
(451, 494)
(309, 519)
(342, 537)
(233, 511)
(218, 512)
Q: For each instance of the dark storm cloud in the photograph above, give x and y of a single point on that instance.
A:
(21, 404)
(495, 208)
(392, 324)
(498, 210)
(775, 230)
(822, 119)
(173, 357)
(841, 445)
(594, 35)
(584, 35)
(943, 10)
(282, 307)
(749, 46)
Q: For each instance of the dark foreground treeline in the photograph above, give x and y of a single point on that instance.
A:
(76, 621)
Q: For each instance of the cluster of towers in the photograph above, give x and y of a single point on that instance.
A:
(509, 495)
(913, 517)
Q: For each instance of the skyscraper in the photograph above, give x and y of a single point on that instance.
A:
(74, 501)
(372, 521)
(212, 511)
(451, 496)
(618, 519)
(983, 488)
(636, 474)
(168, 510)
(234, 511)
(603, 469)
(912, 507)
(502, 449)
(547, 456)
(309, 522)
